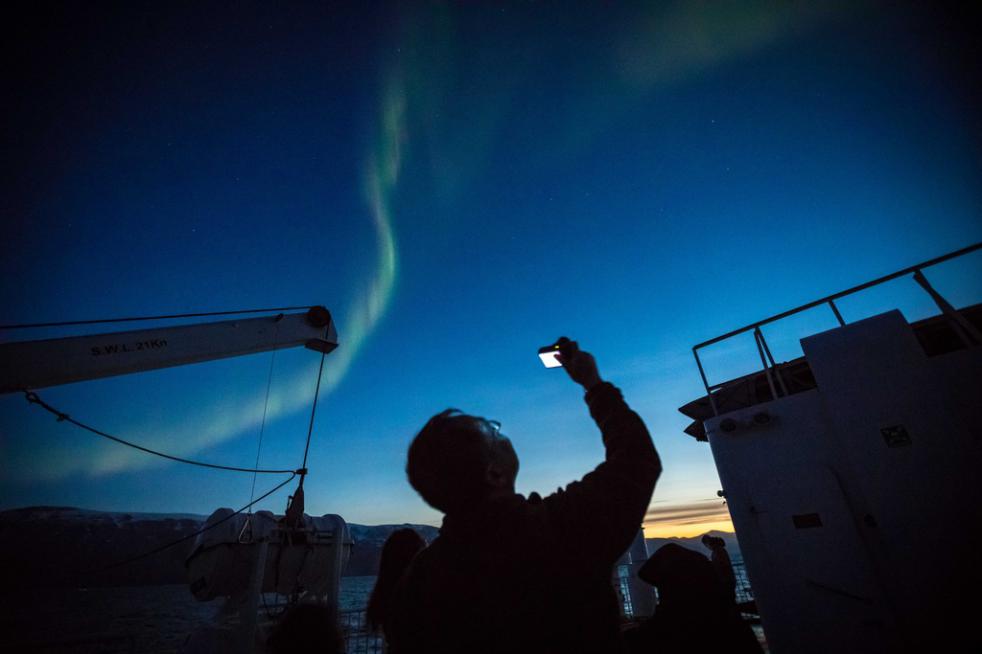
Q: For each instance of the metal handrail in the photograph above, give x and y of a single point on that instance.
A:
(830, 300)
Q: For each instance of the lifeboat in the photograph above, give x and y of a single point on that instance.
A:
(308, 557)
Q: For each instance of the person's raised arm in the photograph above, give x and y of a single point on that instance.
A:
(600, 515)
(579, 365)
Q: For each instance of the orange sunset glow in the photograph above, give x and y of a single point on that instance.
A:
(686, 520)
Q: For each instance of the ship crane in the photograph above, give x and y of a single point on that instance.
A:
(235, 555)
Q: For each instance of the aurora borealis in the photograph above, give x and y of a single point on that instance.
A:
(461, 183)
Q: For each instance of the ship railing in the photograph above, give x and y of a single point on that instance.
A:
(966, 331)
(359, 638)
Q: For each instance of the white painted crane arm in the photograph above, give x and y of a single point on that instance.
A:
(28, 365)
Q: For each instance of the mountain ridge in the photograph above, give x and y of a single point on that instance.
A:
(695, 542)
(63, 546)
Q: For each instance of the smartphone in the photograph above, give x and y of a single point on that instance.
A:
(548, 356)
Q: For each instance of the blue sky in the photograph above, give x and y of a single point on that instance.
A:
(460, 185)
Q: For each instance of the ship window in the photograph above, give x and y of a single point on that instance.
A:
(806, 520)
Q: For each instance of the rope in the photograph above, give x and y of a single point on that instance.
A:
(144, 555)
(140, 318)
(262, 425)
(302, 471)
(313, 410)
(33, 398)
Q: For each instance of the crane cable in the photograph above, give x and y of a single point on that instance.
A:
(302, 472)
(141, 318)
(295, 503)
(262, 424)
(34, 398)
(144, 555)
(313, 410)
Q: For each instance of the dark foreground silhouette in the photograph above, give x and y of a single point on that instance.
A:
(307, 628)
(695, 612)
(721, 564)
(398, 552)
(510, 574)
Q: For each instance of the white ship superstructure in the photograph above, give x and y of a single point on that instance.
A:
(852, 479)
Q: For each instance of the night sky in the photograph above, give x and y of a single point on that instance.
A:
(460, 183)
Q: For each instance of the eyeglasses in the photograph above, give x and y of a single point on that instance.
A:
(493, 426)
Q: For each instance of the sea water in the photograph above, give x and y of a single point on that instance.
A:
(146, 619)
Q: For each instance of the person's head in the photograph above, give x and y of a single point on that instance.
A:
(683, 577)
(399, 549)
(306, 626)
(713, 542)
(458, 460)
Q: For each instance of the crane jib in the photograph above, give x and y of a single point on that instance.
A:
(50, 362)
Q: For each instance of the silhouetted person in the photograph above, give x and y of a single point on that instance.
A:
(399, 549)
(306, 628)
(509, 574)
(721, 563)
(693, 615)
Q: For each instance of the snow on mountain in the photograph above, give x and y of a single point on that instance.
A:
(69, 546)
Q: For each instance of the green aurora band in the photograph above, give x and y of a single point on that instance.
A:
(236, 416)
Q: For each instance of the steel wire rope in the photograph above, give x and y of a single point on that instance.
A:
(33, 398)
(313, 410)
(182, 539)
(142, 318)
(262, 424)
(302, 471)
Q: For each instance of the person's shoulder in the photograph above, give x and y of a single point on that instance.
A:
(416, 575)
(427, 554)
